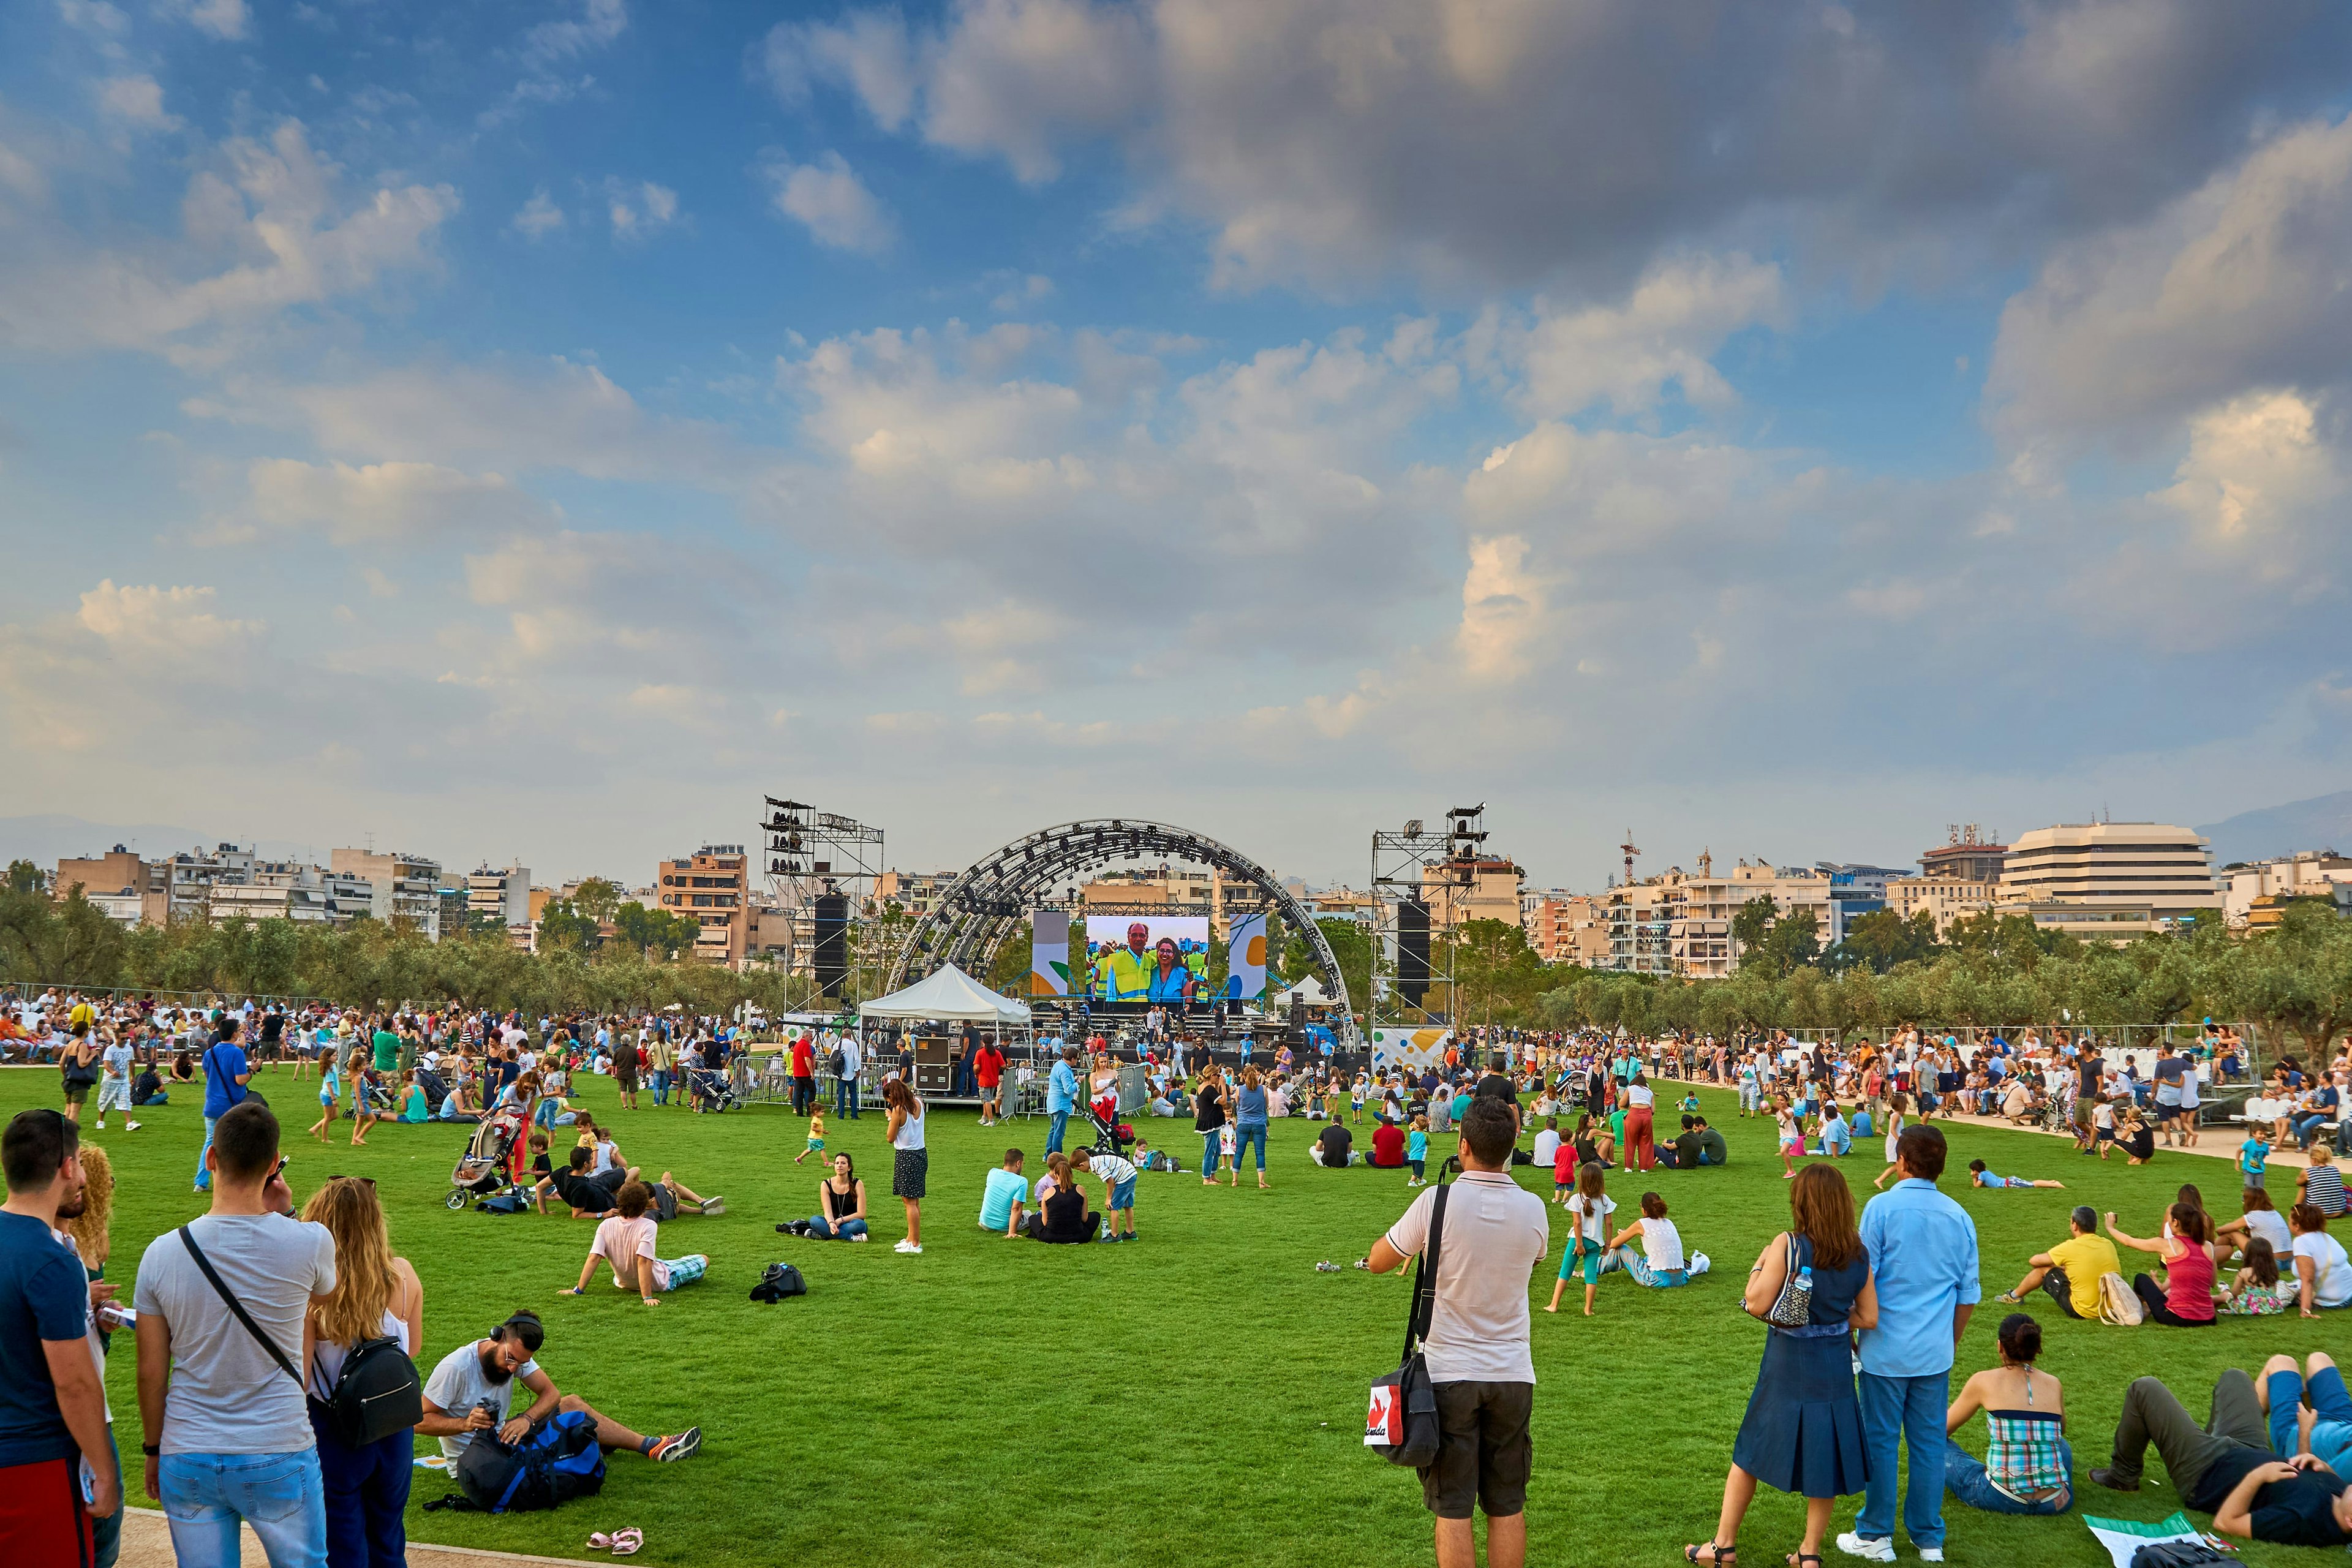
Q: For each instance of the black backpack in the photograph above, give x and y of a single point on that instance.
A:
(780, 1280)
(378, 1392)
(376, 1395)
(556, 1461)
(834, 1061)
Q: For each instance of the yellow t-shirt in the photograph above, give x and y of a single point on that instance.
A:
(2085, 1258)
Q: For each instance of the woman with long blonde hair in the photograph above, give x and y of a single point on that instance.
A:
(376, 1296)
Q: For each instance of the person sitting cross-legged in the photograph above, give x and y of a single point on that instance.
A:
(1003, 1202)
(2071, 1271)
(471, 1392)
(2027, 1465)
(2226, 1466)
(628, 1242)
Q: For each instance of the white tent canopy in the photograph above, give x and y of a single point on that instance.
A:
(947, 994)
(1309, 991)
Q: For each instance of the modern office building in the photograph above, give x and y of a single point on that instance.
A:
(2120, 866)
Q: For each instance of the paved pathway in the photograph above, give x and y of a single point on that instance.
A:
(147, 1543)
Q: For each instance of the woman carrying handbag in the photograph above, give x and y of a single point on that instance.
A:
(1802, 1432)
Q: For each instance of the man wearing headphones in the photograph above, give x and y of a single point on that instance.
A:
(472, 1392)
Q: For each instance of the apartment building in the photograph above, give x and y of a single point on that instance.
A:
(2270, 884)
(131, 890)
(1968, 854)
(711, 887)
(293, 890)
(1677, 923)
(1944, 898)
(917, 892)
(1567, 928)
(501, 896)
(404, 887)
(1174, 889)
(2116, 865)
(1463, 890)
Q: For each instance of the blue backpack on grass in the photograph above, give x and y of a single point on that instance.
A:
(558, 1460)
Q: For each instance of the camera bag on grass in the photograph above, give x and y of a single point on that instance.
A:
(1400, 1424)
(377, 1393)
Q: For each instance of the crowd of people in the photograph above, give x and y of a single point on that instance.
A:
(245, 1319)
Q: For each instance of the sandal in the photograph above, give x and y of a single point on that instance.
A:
(626, 1543)
(1721, 1556)
(1799, 1559)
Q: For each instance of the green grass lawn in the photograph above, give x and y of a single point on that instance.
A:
(1193, 1399)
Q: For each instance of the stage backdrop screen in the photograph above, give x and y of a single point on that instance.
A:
(1049, 953)
(1149, 958)
(1245, 958)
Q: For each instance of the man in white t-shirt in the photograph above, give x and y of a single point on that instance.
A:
(472, 1392)
(227, 1429)
(1478, 1352)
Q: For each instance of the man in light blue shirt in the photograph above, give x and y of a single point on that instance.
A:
(1923, 1260)
(1061, 1098)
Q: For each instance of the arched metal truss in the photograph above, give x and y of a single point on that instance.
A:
(993, 895)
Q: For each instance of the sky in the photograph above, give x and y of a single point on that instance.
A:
(537, 431)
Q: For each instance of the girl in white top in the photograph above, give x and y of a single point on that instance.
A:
(910, 1161)
(1894, 1131)
(1793, 1139)
(1588, 1213)
(1660, 1264)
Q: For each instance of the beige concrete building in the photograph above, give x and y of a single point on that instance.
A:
(132, 890)
(501, 895)
(2269, 884)
(711, 887)
(2118, 866)
(1568, 927)
(1677, 923)
(1947, 899)
(1458, 891)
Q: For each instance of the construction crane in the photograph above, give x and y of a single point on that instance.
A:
(1628, 852)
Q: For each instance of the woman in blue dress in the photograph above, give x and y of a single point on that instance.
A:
(1802, 1432)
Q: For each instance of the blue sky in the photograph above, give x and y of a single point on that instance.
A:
(538, 429)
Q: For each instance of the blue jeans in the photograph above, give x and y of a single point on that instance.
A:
(1054, 1133)
(844, 1097)
(366, 1494)
(205, 1177)
(282, 1496)
(106, 1534)
(1245, 1134)
(1897, 1410)
(1213, 1148)
(822, 1229)
(661, 1085)
(1965, 1479)
(2305, 1126)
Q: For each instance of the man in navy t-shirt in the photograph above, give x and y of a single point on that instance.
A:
(226, 1073)
(52, 1406)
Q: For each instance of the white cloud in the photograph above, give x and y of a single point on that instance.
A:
(159, 620)
(268, 210)
(828, 199)
(599, 23)
(1021, 292)
(1502, 607)
(640, 209)
(2262, 490)
(225, 19)
(2244, 284)
(135, 100)
(387, 502)
(538, 216)
(94, 17)
(1626, 355)
(517, 418)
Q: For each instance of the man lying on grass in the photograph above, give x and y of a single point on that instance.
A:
(472, 1392)
(628, 1243)
(2228, 1465)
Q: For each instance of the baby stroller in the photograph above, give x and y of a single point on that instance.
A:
(1112, 1136)
(713, 1088)
(482, 1169)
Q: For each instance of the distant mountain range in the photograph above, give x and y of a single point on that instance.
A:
(2323, 822)
(46, 840)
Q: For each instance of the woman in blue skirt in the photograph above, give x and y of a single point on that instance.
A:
(1802, 1432)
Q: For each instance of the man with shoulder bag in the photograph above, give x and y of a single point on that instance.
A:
(1485, 1243)
(221, 1303)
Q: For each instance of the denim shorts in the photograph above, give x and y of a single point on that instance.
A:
(1122, 1195)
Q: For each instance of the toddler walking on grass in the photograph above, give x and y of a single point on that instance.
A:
(816, 1138)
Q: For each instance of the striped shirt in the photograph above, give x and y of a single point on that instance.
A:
(2323, 1190)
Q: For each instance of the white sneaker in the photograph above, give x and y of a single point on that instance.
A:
(916, 1251)
(1881, 1550)
(1931, 1555)
(903, 1245)
(131, 1127)
(102, 1125)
